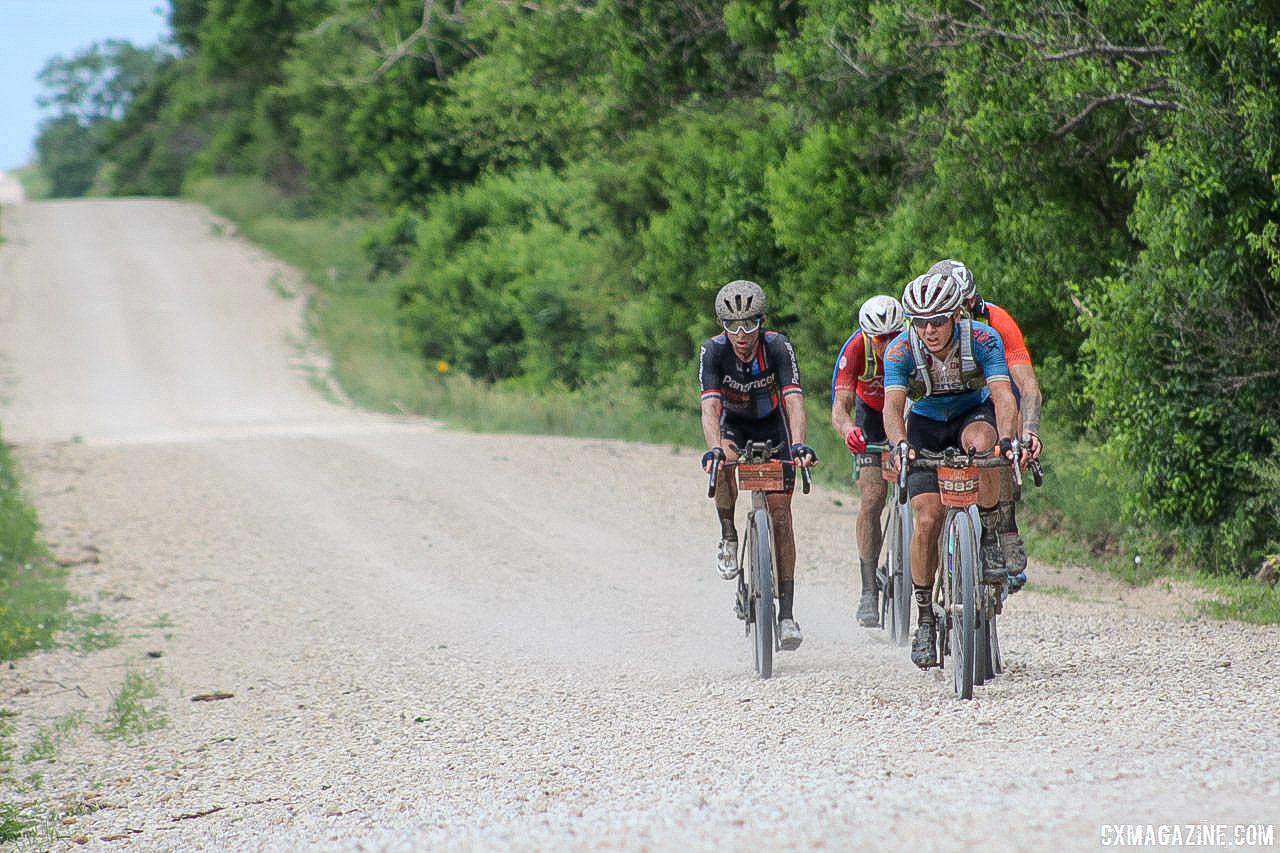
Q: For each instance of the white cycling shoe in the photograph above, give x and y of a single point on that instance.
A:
(727, 559)
(789, 636)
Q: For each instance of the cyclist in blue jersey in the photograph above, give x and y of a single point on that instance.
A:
(954, 370)
(1026, 390)
(751, 392)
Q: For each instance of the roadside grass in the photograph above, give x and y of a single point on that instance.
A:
(15, 822)
(1076, 517)
(1244, 599)
(49, 739)
(33, 609)
(130, 713)
(33, 590)
(91, 631)
(1057, 591)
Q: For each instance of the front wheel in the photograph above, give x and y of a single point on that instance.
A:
(760, 591)
(962, 587)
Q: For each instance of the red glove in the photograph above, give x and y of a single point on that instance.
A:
(855, 441)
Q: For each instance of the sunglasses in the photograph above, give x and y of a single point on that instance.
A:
(741, 327)
(936, 322)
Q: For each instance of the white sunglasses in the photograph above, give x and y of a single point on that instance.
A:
(741, 327)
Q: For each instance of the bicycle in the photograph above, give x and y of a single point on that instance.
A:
(759, 473)
(964, 609)
(893, 573)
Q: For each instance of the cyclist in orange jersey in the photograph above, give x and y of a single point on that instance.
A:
(1026, 390)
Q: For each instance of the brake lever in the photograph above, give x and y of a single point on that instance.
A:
(902, 451)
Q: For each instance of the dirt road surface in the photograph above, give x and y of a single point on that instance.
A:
(440, 640)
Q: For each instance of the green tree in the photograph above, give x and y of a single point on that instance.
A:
(90, 92)
(68, 155)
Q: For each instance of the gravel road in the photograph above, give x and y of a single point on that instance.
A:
(439, 640)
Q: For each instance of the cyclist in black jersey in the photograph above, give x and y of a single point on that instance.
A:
(751, 392)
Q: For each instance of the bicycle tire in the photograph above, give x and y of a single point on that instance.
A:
(761, 581)
(901, 574)
(886, 591)
(997, 665)
(982, 669)
(962, 568)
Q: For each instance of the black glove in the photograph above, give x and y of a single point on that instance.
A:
(1006, 447)
(799, 451)
(715, 454)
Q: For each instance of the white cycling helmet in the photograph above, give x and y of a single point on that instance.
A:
(960, 273)
(881, 315)
(931, 294)
(740, 300)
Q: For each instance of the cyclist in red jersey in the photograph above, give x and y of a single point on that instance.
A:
(857, 404)
(1026, 389)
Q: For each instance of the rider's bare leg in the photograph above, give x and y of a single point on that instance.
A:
(981, 436)
(727, 493)
(871, 495)
(1015, 554)
(927, 511)
(726, 500)
(784, 543)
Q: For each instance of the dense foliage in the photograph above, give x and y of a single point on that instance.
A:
(565, 184)
(88, 92)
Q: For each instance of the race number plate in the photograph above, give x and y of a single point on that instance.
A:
(886, 467)
(958, 486)
(761, 477)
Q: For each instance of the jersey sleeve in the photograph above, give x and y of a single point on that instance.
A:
(898, 363)
(988, 351)
(710, 376)
(788, 370)
(849, 364)
(1015, 347)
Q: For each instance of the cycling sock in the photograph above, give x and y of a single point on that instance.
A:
(1007, 522)
(924, 603)
(990, 517)
(868, 568)
(786, 594)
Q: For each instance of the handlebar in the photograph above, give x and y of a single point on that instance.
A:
(757, 452)
(925, 459)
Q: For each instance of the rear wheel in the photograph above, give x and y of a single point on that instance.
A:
(760, 583)
(962, 568)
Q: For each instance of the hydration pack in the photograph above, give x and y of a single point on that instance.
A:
(871, 364)
(971, 376)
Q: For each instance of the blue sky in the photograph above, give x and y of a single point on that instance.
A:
(33, 31)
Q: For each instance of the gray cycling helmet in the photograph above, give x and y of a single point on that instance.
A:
(960, 273)
(931, 295)
(740, 300)
(881, 315)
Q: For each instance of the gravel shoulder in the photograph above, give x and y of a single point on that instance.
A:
(434, 639)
